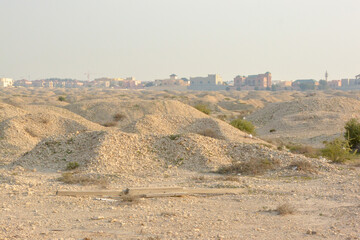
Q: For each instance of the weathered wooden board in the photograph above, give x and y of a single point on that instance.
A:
(153, 192)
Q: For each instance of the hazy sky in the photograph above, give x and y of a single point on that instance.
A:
(151, 39)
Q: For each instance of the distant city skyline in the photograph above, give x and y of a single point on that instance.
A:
(298, 39)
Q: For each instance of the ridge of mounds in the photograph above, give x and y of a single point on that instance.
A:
(132, 157)
(21, 132)
(309, 120)
(163, 117)
(103, 111)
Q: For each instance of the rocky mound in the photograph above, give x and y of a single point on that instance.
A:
(21, 133)
(133, 157)
(9, 111)
(309, 120)
(103, 111)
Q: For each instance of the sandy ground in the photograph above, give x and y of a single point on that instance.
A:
(160, 142)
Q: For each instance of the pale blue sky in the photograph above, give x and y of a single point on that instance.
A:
(150, 39)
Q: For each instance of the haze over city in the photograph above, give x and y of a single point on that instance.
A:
(152, 39)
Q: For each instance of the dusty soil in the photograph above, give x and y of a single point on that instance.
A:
(159, 140)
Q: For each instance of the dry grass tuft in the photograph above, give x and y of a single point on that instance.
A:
(118, 117)
(252, 167)
(308, 151)
(228, 179)
(130, 199)
(71, 178)
(210, 133)
(285, 209)
(110, 124)
(167, 214)
(31, 133)
(302, 165)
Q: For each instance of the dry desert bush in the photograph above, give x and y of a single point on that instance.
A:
(285, 209)
(72, 178)
(130, 199)
(110, 124)
(31, 133)
(302, 165)
(203, 108)
(210, 133)
(118, 117)
(308, 151)
(252, 167)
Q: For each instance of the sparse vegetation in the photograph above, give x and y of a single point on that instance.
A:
(210, 133)
(338, 150)
(203, 108)
(31, 132)
(174, 137)
(72, 166)
(252, 167)
(308, 151)
(118, 117)
(130, 199)
(352, 134)
(272, 130)
(61, 98)
(285, 209)
(110, 124)
(71, 178)
(243, 125)
(167, 214)
(302, 165)
(222, 117)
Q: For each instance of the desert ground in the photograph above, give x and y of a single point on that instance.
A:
(110, 140)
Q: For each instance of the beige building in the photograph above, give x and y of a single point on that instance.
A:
(212, 82)
(6, 82)
(172, 81)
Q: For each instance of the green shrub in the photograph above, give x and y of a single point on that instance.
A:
(174, 137)
(243, 125)
(72, 165)
(61, 98)
(352, 133)
(337, 151)
(203, 108)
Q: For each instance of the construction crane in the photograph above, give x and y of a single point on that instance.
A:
(87, 74)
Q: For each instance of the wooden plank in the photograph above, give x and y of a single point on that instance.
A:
(130, 191)
(89, 193)
(142, 191)
(214, 190)
(153, 192)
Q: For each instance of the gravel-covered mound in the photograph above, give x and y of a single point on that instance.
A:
(132, 157)
(21, 133)
(103, 111)
(309, 120)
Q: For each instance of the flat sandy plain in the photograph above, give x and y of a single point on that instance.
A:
(127, 139)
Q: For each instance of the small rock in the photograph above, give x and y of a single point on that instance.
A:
(311, 232)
